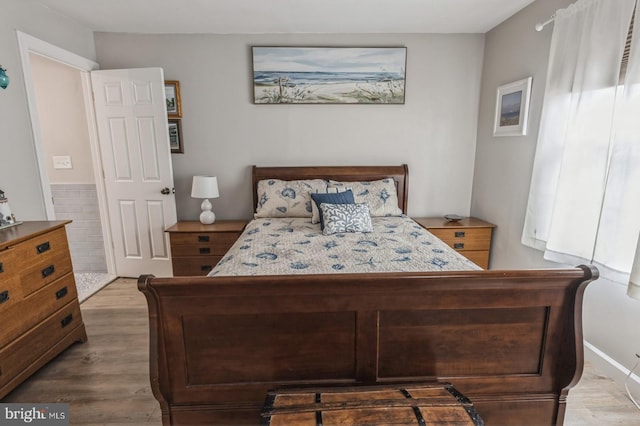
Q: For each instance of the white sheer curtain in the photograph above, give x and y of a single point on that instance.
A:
(584, 197)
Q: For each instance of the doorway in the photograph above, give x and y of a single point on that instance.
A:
(65, 143)
(58, 90)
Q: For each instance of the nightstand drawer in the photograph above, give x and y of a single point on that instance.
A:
(465, 239)
(194, 266)
(479, 257)
(202, 244)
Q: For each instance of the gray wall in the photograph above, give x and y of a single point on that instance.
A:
(19, 176)
(225, 133)
(503, 165)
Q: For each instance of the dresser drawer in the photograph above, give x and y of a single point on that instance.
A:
(465, 239)
(10, 290)
(194, 265)
(43, 260)
(35, 308)
(24, 351)
(202, 244)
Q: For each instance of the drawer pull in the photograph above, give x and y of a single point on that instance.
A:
(1, 268)
(43, 247)
(205, 250)
(205, 267)
(203, 238)
(4, 296)
(459, 234)
(61, 293)
(48, 271)
(66, 320)
(458, 246)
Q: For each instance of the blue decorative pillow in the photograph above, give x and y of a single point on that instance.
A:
(380, 195)
(346, 218)
(315, 215)
(345, 197)
(286, 198)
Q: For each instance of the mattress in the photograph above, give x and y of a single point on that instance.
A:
(285, 246)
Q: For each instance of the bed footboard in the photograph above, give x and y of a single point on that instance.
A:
(511, 341)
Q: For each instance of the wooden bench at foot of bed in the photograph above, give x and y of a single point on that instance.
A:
(511, 341)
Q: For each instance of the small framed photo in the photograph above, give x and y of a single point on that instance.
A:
(175, 136)
(172, 96)
(512, 108)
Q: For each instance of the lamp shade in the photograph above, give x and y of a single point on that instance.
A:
(205, 187)
(633, 289)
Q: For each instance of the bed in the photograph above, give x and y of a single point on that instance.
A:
(511, 340)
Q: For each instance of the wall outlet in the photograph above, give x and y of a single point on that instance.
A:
(62, 162)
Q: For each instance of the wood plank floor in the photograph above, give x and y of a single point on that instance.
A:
(106, 380)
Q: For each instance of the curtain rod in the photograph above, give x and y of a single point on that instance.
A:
(540, 25)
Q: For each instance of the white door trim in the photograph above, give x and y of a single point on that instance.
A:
(28, 44)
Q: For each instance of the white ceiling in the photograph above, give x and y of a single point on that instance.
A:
(288, 16)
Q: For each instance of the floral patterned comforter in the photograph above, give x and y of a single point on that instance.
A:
(285, 246)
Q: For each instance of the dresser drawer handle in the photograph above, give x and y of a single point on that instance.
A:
(43, 247)
(48, 271)
(4, 296)
(61, 293)
(205, 267)
(1, 268)
(205, 250)
(203, 238)
(459, 234)
(458, 246)
(66, 320)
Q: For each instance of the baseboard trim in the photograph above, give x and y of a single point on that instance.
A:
(611, 367)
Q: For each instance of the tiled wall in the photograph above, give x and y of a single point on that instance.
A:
(79, 203)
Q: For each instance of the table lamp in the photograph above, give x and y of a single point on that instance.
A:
(205, 187)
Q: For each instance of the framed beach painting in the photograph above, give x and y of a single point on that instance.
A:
(329, 75)
(512, 108)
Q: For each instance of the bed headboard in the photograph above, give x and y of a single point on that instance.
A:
(342, 173)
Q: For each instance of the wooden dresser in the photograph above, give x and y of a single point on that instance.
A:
(471, 237)
(196, 248)
(39, 310)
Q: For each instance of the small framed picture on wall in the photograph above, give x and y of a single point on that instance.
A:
(512, 108)
(172, 96)
(175, 136)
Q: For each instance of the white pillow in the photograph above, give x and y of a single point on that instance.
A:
(315, 215)
(340, 218)
(286, 198)
(380, 195)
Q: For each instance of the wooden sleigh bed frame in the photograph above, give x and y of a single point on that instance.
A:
(511, 341)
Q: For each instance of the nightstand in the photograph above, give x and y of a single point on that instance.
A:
(196, 248)
(471, 237)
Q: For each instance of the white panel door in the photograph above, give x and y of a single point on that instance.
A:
(131, 117)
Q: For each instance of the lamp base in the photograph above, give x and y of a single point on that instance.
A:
(207, 217)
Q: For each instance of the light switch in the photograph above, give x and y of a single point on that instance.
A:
(62, 162)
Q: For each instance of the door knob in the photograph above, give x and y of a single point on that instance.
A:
(167, 191)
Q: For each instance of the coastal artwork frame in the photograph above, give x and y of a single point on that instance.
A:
(328, 75)
(512, 108)
(175, 136)
(172, 98)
